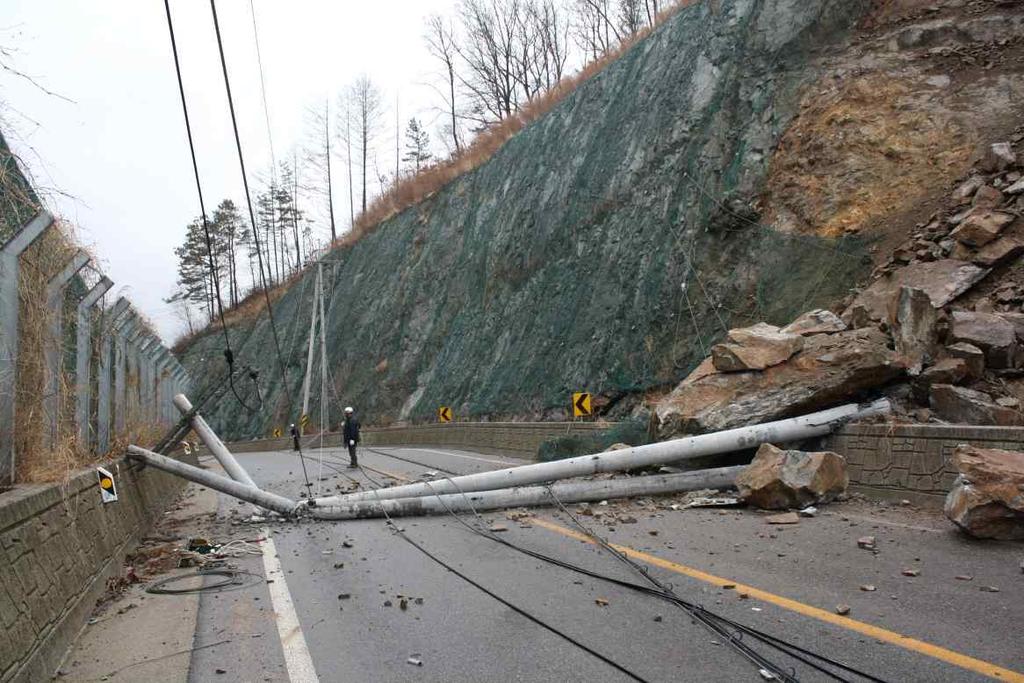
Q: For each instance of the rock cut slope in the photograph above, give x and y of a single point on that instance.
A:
(606, 247)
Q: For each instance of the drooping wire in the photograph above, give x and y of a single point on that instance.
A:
(229, 355)
(255, 230)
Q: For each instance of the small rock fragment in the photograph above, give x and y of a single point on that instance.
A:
(415, 661)
(911, 572)
(868, 588)
(964, 577)
(784, 518)
(842, 610)
(866, 542)
(601, 602)
(988, 589)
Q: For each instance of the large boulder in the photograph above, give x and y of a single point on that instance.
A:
(779, 480)
(966, 406)
(831, 368)
(818, 321)
(913, 321)
(987, 499)
(942, 281)
(990, 332)
(981, 227)
(755, 348)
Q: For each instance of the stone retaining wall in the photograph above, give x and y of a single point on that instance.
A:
(58, 546)
(912, 461)
(516, 439)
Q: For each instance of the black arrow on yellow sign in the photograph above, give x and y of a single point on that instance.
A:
(581, 404)
(444, 414)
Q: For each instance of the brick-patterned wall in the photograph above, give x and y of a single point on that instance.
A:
(58, 546)
(912, 458)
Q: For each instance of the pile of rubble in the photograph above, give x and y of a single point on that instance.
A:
(908, 334)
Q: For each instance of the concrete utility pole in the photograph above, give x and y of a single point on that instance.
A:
(83, 365)
(103, 411)
(54, 348)
(9, 274)
(663, 453)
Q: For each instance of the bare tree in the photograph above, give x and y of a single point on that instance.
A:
(345, 130)
(594, 27)
(440, 38)
(549, 33)
(630, 16)
(489, 51)
(317, 180)
(366, 101)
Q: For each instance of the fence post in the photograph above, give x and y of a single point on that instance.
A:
(54, 348)
(121, 350)
(83, 364)
(9, 273)
(103, 411)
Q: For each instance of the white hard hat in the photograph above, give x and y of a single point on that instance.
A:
(348, 409)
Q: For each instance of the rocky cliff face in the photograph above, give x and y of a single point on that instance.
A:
(605, 247)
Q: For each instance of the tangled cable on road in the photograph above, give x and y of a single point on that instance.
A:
(231, 579)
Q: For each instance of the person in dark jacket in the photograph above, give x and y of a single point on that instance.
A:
(350, 432)
(295, 438)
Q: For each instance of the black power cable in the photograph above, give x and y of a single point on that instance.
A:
(255, 231)
(228, 354)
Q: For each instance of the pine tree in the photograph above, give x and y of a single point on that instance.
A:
(417, 146)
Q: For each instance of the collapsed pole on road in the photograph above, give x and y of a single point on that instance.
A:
(675, 450)
(567, 492)
(213, 442)
(250, 494)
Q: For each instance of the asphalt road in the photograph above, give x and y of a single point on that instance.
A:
(348, 582)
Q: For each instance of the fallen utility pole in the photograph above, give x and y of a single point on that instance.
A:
(676, 450)
(213, 442)
(569, 492)
(250, 494)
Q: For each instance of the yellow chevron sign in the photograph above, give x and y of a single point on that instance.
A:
(444, 414)
(581, 404)
(276, 433)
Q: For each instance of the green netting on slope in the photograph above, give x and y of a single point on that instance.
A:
(559, 265)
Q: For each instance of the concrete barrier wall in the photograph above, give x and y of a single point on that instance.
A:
(516, 439)
(58, 546)
(912, 461)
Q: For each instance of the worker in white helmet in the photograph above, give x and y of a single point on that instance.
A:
(350, 432)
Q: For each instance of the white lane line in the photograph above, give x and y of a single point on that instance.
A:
(459, 455)
(296, 655)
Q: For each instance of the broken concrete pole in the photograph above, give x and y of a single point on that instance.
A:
(755, 348)
(913, 321)
(966, 406)
(942, 280)
(213, 442)
(987, 499)
(780, 480)
(818, 321)
(998, 157)
(566, 492)
(981, 227)
(251, 494)
(666, 452)
(990, 332)
(830, 368)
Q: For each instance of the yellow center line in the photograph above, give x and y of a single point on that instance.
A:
(949, 656)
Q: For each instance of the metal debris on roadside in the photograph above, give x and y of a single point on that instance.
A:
(415, 661)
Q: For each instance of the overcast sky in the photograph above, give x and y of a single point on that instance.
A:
(119, 149)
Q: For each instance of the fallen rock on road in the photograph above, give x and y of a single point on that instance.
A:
(780, 480)
(987, 499)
